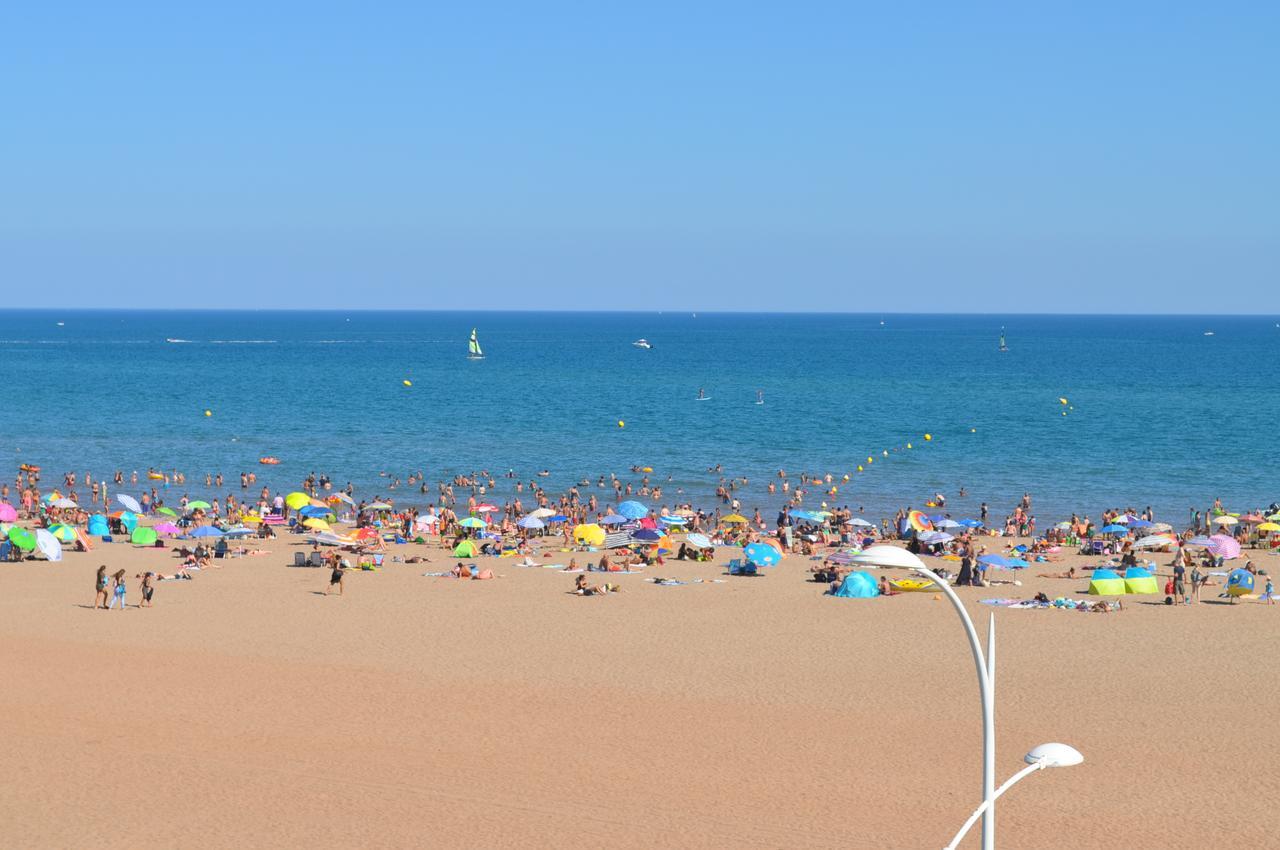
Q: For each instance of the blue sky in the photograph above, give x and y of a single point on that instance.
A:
(942, 156)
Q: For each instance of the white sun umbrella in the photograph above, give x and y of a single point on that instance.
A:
(887, 556)
(129, 502)
(1153, 541)
(542, 513)
(426, 520)
(860, 522)
(328, 538)
(947, 523)
(1160, 526)
(343, 497)
(936, 537)
(48, 545)
(64, 503)
(531, 522)
(1218, 520)
(701, 541)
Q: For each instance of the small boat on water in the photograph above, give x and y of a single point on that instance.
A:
(473, 347)
(642, 343)
(1208, 333)
(1004, 346)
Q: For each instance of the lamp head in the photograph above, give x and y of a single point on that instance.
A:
(1054, 755)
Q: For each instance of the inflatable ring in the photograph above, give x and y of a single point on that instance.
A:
(156, 476)
(269, 461)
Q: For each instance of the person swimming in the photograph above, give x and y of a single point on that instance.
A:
(702, 393)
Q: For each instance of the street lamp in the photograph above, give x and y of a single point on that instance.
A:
(895, 557)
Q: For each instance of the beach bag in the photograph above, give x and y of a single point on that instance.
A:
(1168, 586)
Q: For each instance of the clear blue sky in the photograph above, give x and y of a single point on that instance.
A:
(1023, 156)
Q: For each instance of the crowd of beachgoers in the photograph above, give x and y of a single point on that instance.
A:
(607, 524)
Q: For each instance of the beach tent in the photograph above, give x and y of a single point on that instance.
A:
(1106, 583)
(465, 549)
(143, 536)
(1138, 580)
(98, 525)
(1240, 583)
(857, 585)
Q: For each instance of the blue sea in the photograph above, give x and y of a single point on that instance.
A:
(1158, 412)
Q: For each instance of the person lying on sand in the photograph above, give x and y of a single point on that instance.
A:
(581, 588)
(1071, 573)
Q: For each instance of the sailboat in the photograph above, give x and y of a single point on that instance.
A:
(1004, 346)
(473, 348)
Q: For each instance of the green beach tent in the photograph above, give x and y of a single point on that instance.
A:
(143, 536)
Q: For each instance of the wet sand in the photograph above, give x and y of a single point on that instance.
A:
(246, 709)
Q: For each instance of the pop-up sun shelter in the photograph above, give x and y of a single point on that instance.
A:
(1106, 583)
(858, 585)
(1137, 580)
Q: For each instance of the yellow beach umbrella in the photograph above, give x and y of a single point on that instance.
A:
(297, 500)
(316, 523)
(1269, 526)
(734, 519)
(250, 519)
(589, 534)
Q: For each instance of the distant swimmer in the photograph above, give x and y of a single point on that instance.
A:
(702, 394)
(759, 396)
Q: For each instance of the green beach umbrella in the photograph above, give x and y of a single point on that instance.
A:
(22, 538)
(197, 505)
(63, 532)
(167, 511)
(472, 522)
(143, 536)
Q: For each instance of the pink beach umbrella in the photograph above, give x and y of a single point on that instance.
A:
(7, 512)
(1225, 546)
(167, 528)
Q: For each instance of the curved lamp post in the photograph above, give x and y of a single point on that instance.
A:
(1045, 755)
(895, 557)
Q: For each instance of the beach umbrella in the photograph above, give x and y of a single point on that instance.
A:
(542, 513)
(947, 523)
(167, 528)
(426, 521)
(1239, 583)
(1225, 519)
(198, 505)
(1225, 547)
(647, 535)
(129, 502)
(465, 549)
(63, 532)
(557, 518)
(806, 516)
(671, 519)
(472, 522)
(316, 523)
(22, 538)
(1002, 563)
(143, 536)
(1253, 519)
(761, 554)
(330, 539)
(368, 532)
(1124, 519)
(701, 541)
(486, 509)
(971, 523)
(614, 519)
(8, 513)
(127, 518)
(296, 500)
(167, 511)
(48, 545)
(734, 519)
(98, 525)
(343, 497)
(379, 506)
(251, 519)
(917, 521)
(313, 511)
(1141, 523)
(531, 522)
(1269, 526)
(237, 531)
(206, 531)
(933, 537)
(1153, 541)
(1114, 529)
(1206, 542)
(589, 534)
(860, 522)
(63, 503)
(633, 510)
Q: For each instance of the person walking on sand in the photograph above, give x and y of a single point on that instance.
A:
(148, 589)
(335, 578)
(120, 588)
(100, 593)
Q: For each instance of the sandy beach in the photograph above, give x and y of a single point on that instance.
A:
(246, 709)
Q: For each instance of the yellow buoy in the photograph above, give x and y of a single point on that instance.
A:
(1062, 401)
(928, 437)
(621, 424)
(859, 468)
(908, 445)
(408, 383)
(208, 413)
(868, 458)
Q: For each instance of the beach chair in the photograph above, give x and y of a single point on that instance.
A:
(315, 559)
(299, 559)
(220, 550)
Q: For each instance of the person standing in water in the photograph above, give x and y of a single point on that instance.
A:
(702, 393)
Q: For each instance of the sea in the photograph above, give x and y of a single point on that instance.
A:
(1081, 412)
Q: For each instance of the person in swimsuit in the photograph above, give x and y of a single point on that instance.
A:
(335, 578)
(148, 589)
(118, 578)
(100, 589)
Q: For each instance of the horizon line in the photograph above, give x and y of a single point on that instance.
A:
(680, 311)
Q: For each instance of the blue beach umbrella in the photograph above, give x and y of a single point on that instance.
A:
(673, 520)
(701, 541)
(313, 511)
(1114, 529)
(557, 518)
(206, 531)
(970, 523)
(762, 554)
(1002, 563)
(613, 519)
(648, 535)
(633, 510)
